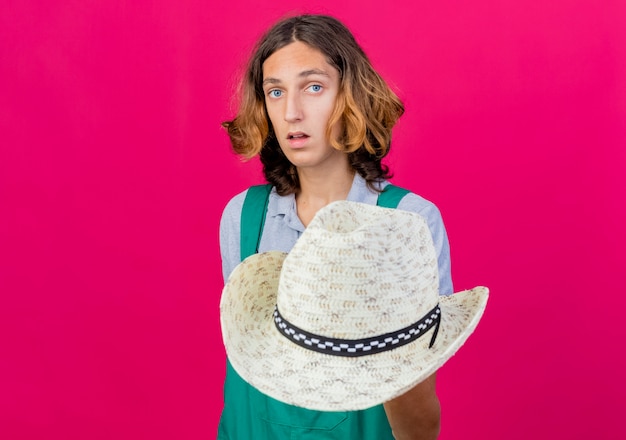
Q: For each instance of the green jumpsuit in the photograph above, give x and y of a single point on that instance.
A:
(249, 414)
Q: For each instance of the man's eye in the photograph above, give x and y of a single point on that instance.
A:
(316, 88)
(275, 93)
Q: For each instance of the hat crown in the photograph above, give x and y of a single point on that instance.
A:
(359, 271)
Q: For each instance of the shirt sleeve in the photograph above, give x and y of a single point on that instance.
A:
(414, 203)
(230, 227)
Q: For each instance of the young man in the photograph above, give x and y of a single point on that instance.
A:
(320, 118)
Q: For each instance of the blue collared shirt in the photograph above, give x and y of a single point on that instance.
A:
(283, 227)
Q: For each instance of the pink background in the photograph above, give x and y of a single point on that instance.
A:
(114, 171)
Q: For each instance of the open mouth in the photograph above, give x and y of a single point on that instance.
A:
(291, 136)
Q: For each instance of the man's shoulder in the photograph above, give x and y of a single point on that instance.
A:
(418, 204)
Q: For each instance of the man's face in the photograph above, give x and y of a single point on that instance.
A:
(301, 90)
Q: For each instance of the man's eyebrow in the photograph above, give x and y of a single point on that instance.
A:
(302, 74)
(310, 72)
(271, 80)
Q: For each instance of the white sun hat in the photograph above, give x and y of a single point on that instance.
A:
(351, 317)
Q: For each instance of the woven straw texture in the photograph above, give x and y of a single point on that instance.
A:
(358, 271)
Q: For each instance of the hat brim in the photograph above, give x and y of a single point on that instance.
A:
(292, 374)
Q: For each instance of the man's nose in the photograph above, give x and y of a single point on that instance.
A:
(293, 110)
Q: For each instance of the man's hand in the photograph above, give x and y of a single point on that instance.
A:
(416, 415)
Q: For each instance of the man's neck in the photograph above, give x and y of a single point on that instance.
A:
(318, 190)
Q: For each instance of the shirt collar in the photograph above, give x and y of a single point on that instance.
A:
(285, 206)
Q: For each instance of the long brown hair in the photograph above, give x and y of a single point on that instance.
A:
(365, 104)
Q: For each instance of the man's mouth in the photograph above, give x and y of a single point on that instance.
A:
(296, 136)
